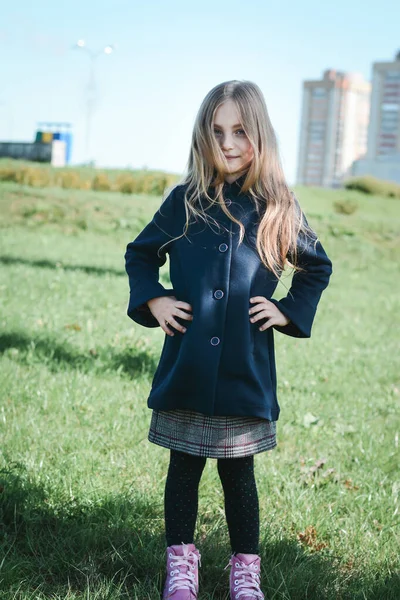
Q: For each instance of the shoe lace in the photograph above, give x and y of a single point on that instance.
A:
(249, 582)
(183, 580)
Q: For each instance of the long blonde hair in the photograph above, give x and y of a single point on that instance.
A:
(280, 217)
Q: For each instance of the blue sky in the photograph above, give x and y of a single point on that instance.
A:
(168, 56)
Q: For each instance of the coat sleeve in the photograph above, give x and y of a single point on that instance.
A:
(300, 304)
(143, 261)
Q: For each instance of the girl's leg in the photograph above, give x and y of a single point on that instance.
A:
(181, 496)
(241, 503)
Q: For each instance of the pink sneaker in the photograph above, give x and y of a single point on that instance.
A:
(244, 579)
(182, 581)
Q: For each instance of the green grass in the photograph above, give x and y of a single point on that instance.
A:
(81, 491)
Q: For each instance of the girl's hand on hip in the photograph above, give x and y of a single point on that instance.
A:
(165, 308)
(264, 309)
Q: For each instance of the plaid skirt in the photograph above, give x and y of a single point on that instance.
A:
(211, 436)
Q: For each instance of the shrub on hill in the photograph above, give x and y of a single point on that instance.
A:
(371, 185)
(345, 207)
(101, 183)
(127, 182)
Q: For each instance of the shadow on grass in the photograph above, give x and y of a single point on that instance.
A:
(57, 355)
(80, 548)
(57, 265)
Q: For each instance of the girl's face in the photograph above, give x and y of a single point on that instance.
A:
(232, 140)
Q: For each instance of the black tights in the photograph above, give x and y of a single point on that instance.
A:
(240, 496)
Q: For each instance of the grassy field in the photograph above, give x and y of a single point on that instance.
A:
(81, 487)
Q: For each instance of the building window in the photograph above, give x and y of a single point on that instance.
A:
(390, 107)
(392, 75)
(318, 92)
(316, 125)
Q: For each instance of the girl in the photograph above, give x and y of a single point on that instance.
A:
(229, 228)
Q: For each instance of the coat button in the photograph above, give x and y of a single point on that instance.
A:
(218, 294)
(228, 201)
(223, 247)
(215, 341)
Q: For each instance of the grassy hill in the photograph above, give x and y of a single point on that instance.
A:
(81, 488)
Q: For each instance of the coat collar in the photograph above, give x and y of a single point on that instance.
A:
(231, 190)
(234, 187)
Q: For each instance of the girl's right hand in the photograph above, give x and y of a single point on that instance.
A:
(165, 308)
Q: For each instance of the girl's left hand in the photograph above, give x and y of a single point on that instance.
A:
(267, 310)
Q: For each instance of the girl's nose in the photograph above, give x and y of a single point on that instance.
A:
(227, 143)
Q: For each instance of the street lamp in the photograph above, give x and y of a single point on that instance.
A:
(91, 86)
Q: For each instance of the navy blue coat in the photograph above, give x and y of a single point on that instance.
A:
(222, 364)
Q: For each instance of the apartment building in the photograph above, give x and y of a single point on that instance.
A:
(382, 159)
(334, 126)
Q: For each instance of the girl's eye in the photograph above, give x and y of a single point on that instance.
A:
(241, 131)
